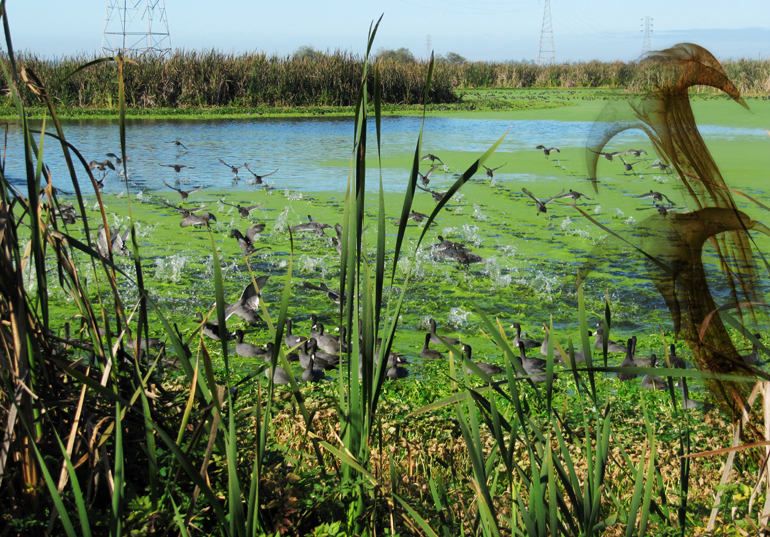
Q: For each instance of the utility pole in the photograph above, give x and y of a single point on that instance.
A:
(136, 27)
(546, 53)
(647, 45)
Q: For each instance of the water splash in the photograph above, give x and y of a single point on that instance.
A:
(292, 196)
(170, 269)
(457, 318)
(307, 264)
(470, 234)
(494, 271)
(478, 214)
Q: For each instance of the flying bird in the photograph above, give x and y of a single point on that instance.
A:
(424, 178)
(431, 157)
(541, 204)
(184, 193)
(490, 171)
(547, 150)
(243, 211)
(636, 152)
(177, 167)
(118, 160)
(177, 143)
(656, 196)
(629, 165)
(258, 178)
(608, 156)
(233, 169)
(662, 167)
(574, 195)
(101, 166)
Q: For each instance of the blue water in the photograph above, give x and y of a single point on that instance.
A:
(310, 153)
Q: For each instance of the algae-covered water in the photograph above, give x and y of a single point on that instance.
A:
(530, 259)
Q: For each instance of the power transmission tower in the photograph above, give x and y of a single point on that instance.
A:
(546, 54)
(136, 27)
(427, 47)
(647, 45)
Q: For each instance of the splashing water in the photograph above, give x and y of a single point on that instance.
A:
(494, 271)
(457, 318)
(309, 264)
(282, 222)
(597, 209)
(170, 268)
(470, 234)
(478, 215)
(292, 196)
(630, 221)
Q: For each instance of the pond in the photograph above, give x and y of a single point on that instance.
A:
(529, 260)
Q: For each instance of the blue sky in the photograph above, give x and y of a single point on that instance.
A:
(479, 30)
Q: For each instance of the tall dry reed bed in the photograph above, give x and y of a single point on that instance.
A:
(214, 78)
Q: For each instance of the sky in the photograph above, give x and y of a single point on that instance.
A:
(479, 30)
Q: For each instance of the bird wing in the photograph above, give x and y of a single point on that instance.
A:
(425, 189)
(495, 169)
(196, 189)
(426, 157)
(171, 187)
(559, 195)
(530, 194)
(269, 174)
(226, 164)
(555, 149)
(255, 207)
(433, 169)
(614, 153)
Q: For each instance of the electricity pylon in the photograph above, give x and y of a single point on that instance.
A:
(136, 27)
(647, 45)
(546, 54)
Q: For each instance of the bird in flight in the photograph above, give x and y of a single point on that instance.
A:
(243, 211)
(547, 150)
(636, 152)
(177, 167)
(608, 156)
(233, 169)
(118, 160)
(431, 157)
(629, 165)
(490, 171)
(662, 167)
(258, 178)
(101, 166)
(184, 193)
(424, 178)
(541, 204)
(656, 196)
(574, 195)
(177, 143)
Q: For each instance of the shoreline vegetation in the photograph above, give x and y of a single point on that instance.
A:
(204, 84)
